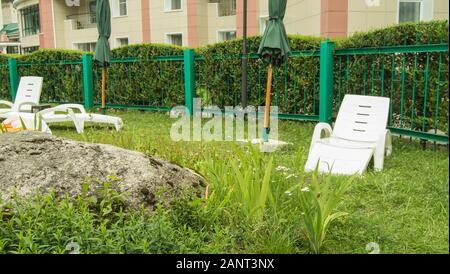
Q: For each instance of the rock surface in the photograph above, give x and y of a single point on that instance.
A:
(31, 161)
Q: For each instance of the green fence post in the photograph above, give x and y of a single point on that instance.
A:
(326, 81)
(189, 80)
(88, 83)
(13, 77)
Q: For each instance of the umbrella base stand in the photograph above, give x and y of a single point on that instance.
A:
(270, 146)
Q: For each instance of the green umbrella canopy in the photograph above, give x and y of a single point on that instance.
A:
(274, 47)
(102, 50)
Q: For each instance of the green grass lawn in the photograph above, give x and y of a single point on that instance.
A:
(404, 208)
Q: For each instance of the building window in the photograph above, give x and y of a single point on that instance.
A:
(409, 12)
(120, 8)
(29, 49)
(175, 39)
(120, 42)
(263, 20)
(12, 50)
(415, 10)
(93, 12)
(171, 5)
(30, 20)
(90, 47)
(226, 7)
(226, 35)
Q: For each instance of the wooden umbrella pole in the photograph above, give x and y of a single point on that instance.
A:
(268, 91)
(103, 86)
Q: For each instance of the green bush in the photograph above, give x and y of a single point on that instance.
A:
(62, 72)
(4, 78)
(92, 224)
(145, 81)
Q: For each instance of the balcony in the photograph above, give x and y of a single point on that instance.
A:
(83, 21)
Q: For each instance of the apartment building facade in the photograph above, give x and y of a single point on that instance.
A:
(71, 24)
(9, 30)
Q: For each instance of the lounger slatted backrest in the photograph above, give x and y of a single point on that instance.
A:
(361, 118)
(29, 90)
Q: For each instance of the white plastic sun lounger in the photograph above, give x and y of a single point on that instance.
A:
(28, 120)
(359, 134)
(28, 93)
(64, 113)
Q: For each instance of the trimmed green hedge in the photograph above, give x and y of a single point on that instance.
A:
(220, 72)
(144, 82)
(140, 80)
(5, 93)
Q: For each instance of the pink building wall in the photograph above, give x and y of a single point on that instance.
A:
(46, 37)
(252, 17)
(334, 18)
(146, 36)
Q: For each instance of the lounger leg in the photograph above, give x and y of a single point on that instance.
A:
(81, 126)
(378, 159)
(388, 143)
(118, 125)
(384, 146)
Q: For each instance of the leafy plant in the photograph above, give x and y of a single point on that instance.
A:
(242, 181)
(318, 200)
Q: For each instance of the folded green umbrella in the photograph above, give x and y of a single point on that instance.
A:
(274, 47)
(102, 49)
(273, 50)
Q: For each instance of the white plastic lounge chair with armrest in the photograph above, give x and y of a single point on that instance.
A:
(21, 119)
(28, 93)
(65, 113)
(359, 133)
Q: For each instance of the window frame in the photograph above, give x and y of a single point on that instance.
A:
(116, 41)
(168, 7)
(168, 38)
(75, 45)
(116, 9)
(33, 27)
(221, 31)
(265, 19)
(219, 3)
(425, 5)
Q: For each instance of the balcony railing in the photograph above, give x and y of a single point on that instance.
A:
(83, 21)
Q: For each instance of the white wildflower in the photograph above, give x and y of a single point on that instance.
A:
(288, 193)
(291, 176)
(281, 168)
(305, 189)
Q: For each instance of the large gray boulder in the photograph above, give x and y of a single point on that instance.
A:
(31, 161)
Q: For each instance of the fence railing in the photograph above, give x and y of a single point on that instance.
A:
(415, 78)
(5, 92)
(65, 84)
(309, 86)
(153, 84)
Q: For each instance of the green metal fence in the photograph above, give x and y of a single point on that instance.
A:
(309, 86)
(65, 84)
(148, 84)
(415, 78)
(295, 89)
(5, 93)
